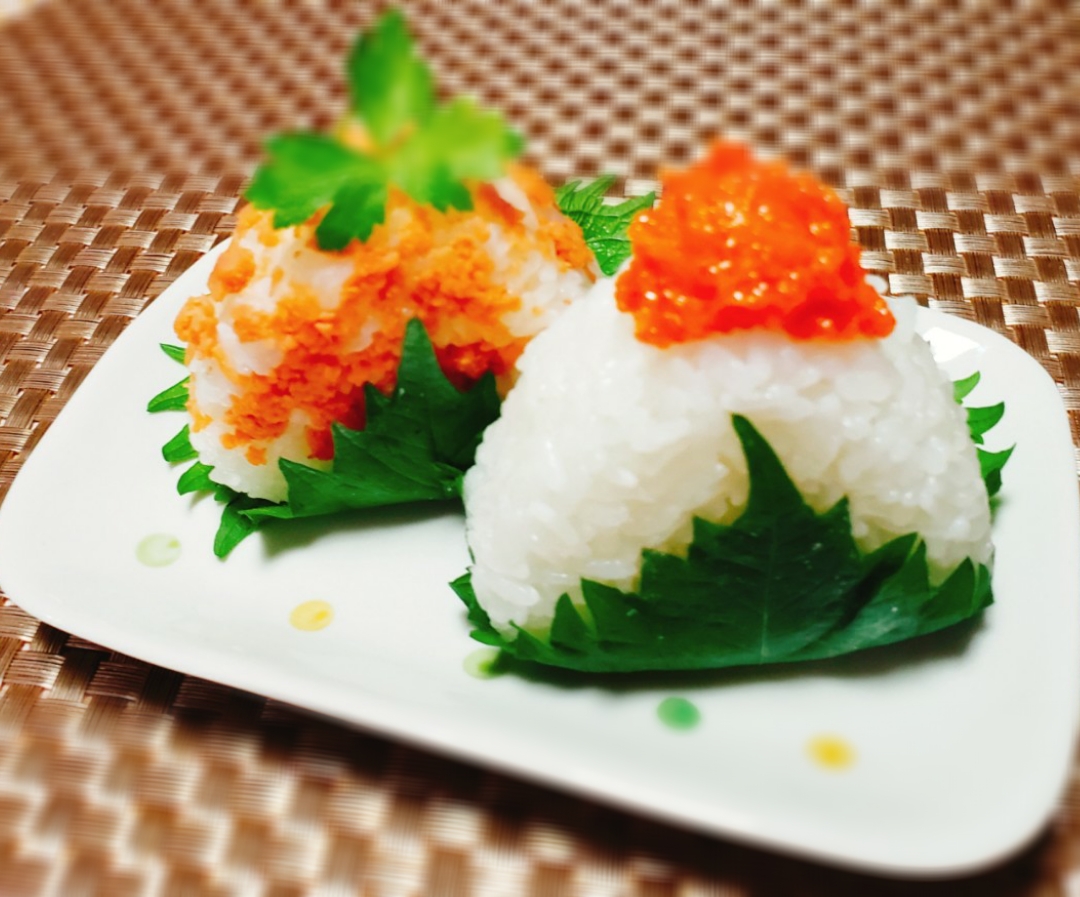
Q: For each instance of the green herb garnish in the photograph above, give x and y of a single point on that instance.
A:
(172, 399)
(425, 149)
(782, 583)
(980, 421)
(604, 225)
(415, 447)
(179, 447)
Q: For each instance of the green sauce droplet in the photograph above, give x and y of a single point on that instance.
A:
(483, 663)
(158, 550)
(678, 713)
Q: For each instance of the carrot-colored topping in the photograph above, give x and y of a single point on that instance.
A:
(255, 454)
(571, 250)
(488, 201)
(196, 325)
(199, 421)
(233, 270)
(739, 244)
(421, 263)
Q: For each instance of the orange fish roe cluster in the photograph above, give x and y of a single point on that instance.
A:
(420, 263)
(738, 244)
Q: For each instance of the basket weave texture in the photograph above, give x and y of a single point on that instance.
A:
(127, 133)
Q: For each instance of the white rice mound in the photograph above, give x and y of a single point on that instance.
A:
(608, 445)
(295, 263)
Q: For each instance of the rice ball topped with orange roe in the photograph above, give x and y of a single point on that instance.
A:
(289, 334)
(743, 298)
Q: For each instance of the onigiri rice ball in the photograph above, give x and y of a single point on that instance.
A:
(281, 347)
(744, 296)
(608, 446)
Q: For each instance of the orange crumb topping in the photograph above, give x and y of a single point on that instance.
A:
(255, 454)
(435, 266)
(737, 244)
(233, 270)
(199, 421)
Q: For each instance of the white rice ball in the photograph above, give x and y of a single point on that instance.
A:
(608, 445)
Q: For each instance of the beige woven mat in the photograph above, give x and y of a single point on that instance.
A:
(127, 130)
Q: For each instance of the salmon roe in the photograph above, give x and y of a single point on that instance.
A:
(738, 244)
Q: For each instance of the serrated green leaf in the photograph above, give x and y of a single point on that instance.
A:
(982, 420)
(604, 225)
(780, 584)
(415, 447)
(174, 398)
(179, 447)
(391, 86)
(196, 479)
(991, 465)
(176, 353)
(235, 526)
(569, 632)
(962, 388)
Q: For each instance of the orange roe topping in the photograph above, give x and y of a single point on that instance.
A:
(739, 244)
(435, 266)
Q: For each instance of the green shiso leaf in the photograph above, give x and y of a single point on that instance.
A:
(235, 526)
(780, 584)
(424, 149)
(172, 399)
(179, 447)
(992, 463)
(416, 446)
(176, 353)
(981, 420)
(604, 225)
(196, 479)
(962, 388)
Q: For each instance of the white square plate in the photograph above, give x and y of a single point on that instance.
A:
(962, 741)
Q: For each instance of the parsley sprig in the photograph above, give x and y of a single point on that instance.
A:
(426, 149)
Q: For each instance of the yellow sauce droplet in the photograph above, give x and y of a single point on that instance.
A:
(158, 550)
(831, 752)
(483, 663)
(312, 616)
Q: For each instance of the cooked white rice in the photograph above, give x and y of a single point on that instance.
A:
(608, 445)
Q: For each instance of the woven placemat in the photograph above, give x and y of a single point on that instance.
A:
(127, 131)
